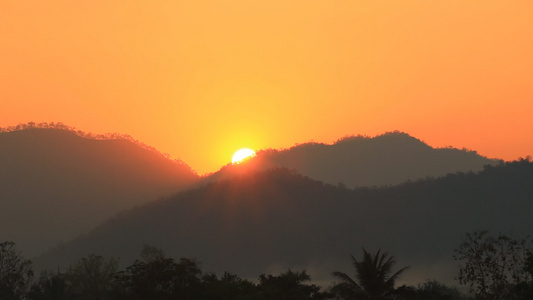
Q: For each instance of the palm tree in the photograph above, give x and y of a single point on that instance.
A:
(373, 279)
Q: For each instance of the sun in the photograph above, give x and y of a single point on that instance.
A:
(241, 155)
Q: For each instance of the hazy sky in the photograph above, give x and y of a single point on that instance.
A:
(201, 79)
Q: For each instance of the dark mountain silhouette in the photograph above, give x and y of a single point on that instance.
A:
(56, 184)
(272, 220)
(388, 159)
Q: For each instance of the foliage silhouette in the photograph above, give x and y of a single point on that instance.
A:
(430, 290)
(159, 277)
(51, 286)
(15, 272)
(289, 286)
(92, 277)
(374, 278)
(154, 276)
(228, 287)
(492, 265)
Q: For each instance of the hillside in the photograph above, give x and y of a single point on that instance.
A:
(56, 184)
(274, 220)
(388, 159)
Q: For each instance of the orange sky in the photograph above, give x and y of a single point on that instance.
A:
(200, 79)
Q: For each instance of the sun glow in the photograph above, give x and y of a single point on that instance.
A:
(241, 155)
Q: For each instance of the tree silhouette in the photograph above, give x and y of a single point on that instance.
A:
(434, 290)
(92, 277)
(290, 286)
(51, 286)
(492, 266)
(15, 272)
(524, 289)
(228, 287)
(373, 278)
(158, 277)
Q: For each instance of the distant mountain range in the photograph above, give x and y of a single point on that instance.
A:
(273, 220)
(388, 159)
(56, 184)
(283, 208)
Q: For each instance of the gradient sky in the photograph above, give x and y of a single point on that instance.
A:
(201, 79)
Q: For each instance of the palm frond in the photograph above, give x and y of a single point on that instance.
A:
(372, 275)
(395, 276)
(347, 280)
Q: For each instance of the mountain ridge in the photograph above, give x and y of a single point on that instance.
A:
(53, 176)
(272, 220)
(388, 159)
